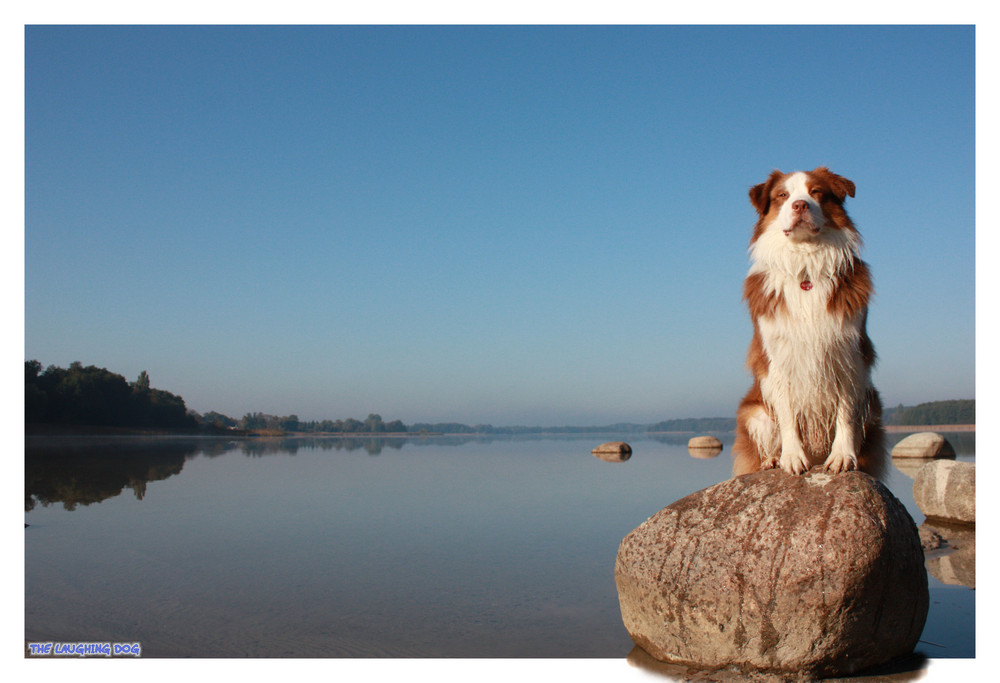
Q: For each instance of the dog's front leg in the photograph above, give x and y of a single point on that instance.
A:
(793, 457)
(843, 453)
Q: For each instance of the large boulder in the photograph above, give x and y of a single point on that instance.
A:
(923, 445)
(818, 574)
(946, 490)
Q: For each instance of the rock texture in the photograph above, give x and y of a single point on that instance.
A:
(946, 490)
(613, 451)
(923, 445)
(704, 446)
(817, 574)
(704, 442)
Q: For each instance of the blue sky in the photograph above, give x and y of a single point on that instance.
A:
(513, 225)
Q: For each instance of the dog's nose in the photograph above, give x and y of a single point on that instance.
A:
(799, 205)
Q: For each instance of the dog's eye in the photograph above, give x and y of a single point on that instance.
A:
(781, 195)
(818, 193)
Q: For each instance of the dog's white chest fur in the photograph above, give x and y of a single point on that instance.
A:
(814, 353)
(814, 356)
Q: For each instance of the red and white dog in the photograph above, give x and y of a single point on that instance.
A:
(812, 401)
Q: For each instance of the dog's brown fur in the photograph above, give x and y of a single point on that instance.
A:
(839, 359)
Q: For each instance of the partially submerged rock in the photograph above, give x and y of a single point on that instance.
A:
(704, 447)
(704, 442)
(818, 574)
(923, 445)
(946, 490)
(613, 451)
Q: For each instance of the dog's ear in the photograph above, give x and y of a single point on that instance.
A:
(760, 195)
(839, 185)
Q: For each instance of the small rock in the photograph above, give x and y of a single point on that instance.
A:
(613, 451)
(929, 539)
(704, 447)
(946, 490)
(923, 445)
(817, 574)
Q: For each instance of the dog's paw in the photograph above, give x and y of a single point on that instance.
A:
(768, 463)
(793, 460)
(840, 460)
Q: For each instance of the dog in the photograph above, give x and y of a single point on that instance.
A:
(812, 401)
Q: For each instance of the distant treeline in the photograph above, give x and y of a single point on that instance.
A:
(256, 422)
(95, 396)
(458, 428)
(959, 412)
(695, 424)
(90, 395)
(934, 413)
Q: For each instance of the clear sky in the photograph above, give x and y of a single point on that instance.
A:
(512, 225)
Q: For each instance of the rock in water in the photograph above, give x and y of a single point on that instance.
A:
(613, 451)
(818, 574)
(946, 490)
(704, 447)
(923, 445)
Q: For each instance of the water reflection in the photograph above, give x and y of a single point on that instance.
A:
(953, 562)
(464, 546)
(85, 471)
(257, 448)
(964, 443)
(704, 453)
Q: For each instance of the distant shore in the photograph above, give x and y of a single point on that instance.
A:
(88, 430)
(45, 429)
(930, 428)
(41, 429)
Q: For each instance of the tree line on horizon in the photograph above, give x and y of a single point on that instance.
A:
(954, 412)
(92, 396)
(255, 422)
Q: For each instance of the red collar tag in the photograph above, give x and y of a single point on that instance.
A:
(806, 285)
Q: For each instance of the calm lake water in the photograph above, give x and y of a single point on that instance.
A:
(437, 547)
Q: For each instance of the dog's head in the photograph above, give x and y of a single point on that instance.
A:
(802, 205)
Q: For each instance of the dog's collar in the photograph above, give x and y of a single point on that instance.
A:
(806, 285)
